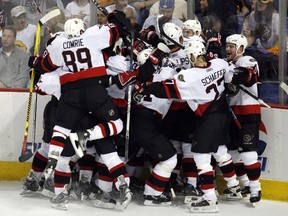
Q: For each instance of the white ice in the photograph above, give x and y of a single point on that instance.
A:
(12, 204)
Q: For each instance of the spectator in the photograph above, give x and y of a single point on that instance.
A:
(119, 5)
(5, 17)
(166, 8)
(142, 7)
(263, 26)
(32, 14)
(14, 70)
(131, 14)
(105, 3)
(25, 32)
(79, 9)
(179, 12)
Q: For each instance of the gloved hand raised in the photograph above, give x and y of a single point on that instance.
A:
(150, 36)
(119, 19)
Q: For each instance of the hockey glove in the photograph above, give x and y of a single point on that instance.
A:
(159, 53)
(33, 60)
(138, 47)
(213, 42)
(124, 25)
(124, 79)
(244, 75)
(138, 93)
(149, 35)
(231, 90)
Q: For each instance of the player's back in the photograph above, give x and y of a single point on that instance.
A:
(79, 53)
(200, 86)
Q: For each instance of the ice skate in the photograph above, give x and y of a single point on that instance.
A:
(104, 200)
(125, 193)
(245, 191)
(191, 194)
(82, 190)
(151, 200)
(30, 185)
(78, 141)
(233, 193)
(255, 197)
(204, 206)
(61, 200)
(48, 187)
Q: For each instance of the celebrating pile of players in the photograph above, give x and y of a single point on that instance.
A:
(145, 116)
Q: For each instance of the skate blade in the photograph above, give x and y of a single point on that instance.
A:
(206, 209)
(233, 198)
(47, 193)
(127, 200)
(151, 203)
(189, 199)
(101, 204)
(30, 193)
(60, 206)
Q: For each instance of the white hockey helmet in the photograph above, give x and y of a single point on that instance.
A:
(193, 25)
(196, 48)
(239, 40)
(143, 56)
(172, 31)
(74, 27)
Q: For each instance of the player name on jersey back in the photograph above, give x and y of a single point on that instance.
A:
(210, 78)
(74, 43)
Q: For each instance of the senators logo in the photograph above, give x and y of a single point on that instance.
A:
(180, 77)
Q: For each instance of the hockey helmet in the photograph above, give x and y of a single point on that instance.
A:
(172, 31)
(196, 48)
(143, 56)
(74, 27)
(239, 40)
(193, 25)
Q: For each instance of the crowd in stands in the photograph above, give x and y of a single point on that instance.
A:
(246, 26)
(258, 20)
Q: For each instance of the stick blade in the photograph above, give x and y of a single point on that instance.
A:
(50, 15)
(284, 87)
(24, 157)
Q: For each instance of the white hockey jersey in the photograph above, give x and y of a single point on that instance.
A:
(177, 59)
(160, 105)
(76, 55)
(198, 86)
(49, 83)
(242, 103)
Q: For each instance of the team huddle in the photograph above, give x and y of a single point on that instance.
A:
(188, 113)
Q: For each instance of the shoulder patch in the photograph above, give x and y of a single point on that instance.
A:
(252, 60)
(180, 77)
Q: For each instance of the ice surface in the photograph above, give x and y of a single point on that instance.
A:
(12, 204)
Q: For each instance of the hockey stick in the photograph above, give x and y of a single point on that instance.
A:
(127, 135)
(255, 97)
(41, 14)
(284, 87)
(24, 155)
(102, 9)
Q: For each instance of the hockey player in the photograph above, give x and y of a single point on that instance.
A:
(80, 57)
(179, 121)
(203, 89)
(244, 140)
(150, 136)
(192, 30)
